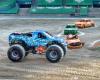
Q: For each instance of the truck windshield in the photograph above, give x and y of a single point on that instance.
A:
(49, 34)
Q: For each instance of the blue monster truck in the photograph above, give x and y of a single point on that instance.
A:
(37, 42)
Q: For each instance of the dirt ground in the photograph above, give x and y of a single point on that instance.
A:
(79, 64)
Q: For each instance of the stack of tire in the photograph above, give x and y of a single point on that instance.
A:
(8, 7)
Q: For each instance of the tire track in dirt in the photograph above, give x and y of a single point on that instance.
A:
(56, 71)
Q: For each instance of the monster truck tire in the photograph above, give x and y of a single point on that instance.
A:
(54, 53)
(23, 44)
(26, 54)
(16, 53)
(64, 49)
(59, 44)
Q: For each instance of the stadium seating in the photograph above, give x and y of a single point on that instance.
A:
(24, 2)
(52, 10)
(48, 6)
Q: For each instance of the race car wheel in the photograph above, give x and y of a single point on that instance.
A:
(80, 45)
(54, 53)
(16, 53)
(92, 25)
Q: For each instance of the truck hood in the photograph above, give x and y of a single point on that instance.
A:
(58, 39)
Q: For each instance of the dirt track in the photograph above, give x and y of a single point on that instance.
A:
(80, 64)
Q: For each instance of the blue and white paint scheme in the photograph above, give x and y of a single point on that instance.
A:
(36, 38)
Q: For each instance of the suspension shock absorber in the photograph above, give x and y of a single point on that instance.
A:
(40, 49)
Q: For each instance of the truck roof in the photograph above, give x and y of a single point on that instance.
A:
(39, 31)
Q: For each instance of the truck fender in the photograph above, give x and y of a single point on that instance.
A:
(21, 42)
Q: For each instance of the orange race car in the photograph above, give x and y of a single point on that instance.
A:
(85, 23)
(74, 42)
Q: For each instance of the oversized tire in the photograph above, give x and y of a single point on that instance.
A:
(16, 53)
(54, 53)
(64, 49)
(59, 44)
(26, 54)
(23, 44)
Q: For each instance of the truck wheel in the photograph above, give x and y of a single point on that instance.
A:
(64, 49)
(54, 53)
(62, 46)
(16, 53)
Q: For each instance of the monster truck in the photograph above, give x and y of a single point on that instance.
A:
(37, 42)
